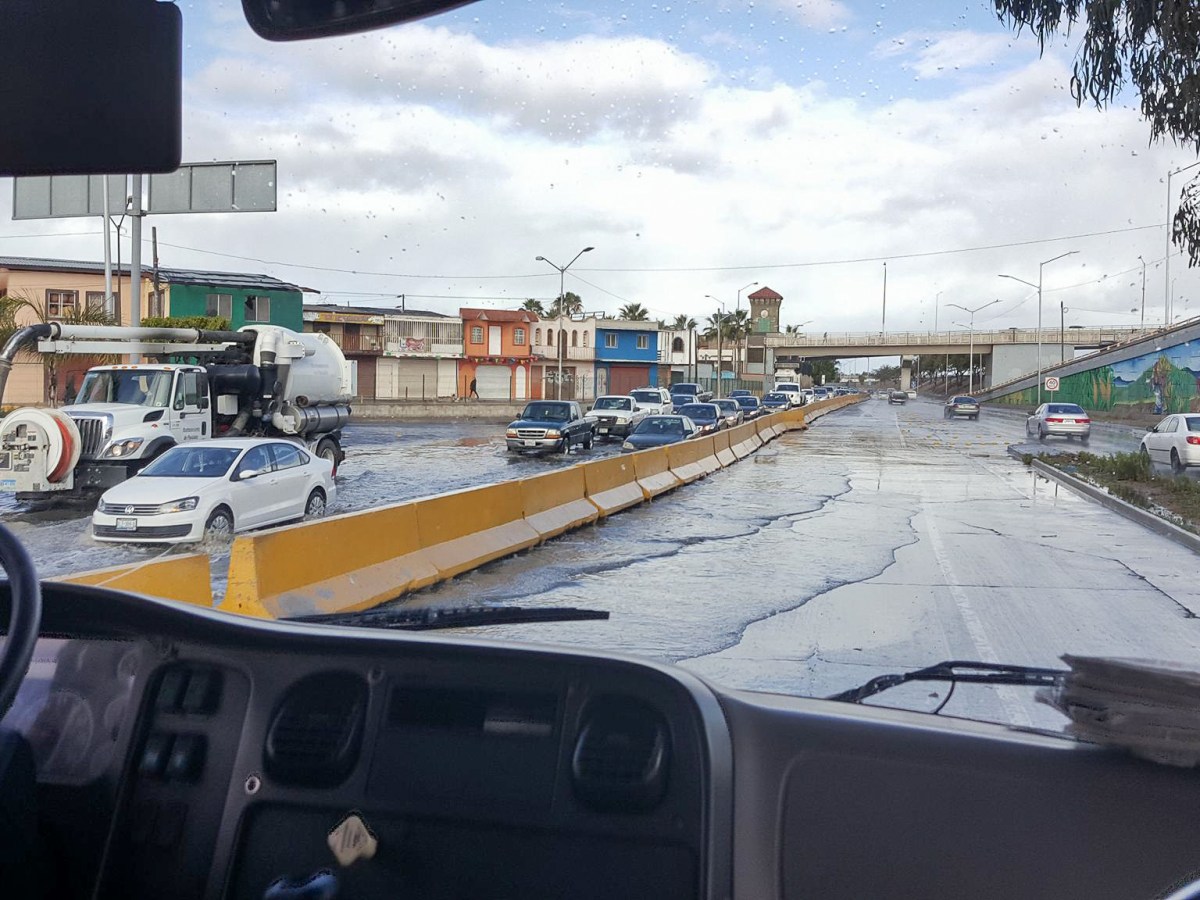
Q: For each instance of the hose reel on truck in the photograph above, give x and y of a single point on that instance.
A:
(41, 447)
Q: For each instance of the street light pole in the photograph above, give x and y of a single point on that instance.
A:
(1167, 275)
(936, 302)
(562, 274)
(1143, 291)
(971, 351)
(883, 324)
(720, 350)
(738, 308)
(1041, 266)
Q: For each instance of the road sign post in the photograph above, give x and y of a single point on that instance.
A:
(1051, 384)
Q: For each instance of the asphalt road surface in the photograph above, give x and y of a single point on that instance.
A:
(881, 540)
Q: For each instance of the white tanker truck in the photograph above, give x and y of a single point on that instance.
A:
(260, 380)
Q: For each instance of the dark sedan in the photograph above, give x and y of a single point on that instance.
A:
(658, 431)
(708, 416)
(751, 406)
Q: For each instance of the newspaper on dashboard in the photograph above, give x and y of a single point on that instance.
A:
(1149, 707)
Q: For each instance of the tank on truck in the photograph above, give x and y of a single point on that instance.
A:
(99, 340)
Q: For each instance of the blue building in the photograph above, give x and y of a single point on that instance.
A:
(626, 355)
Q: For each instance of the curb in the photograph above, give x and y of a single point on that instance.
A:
(1128, 510)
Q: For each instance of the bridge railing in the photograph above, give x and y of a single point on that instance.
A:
(958, 337)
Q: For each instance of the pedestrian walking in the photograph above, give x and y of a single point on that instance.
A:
(474, 389)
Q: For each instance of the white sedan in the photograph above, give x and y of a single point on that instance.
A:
(216, 487)
(1065, 419)
(1175, 441)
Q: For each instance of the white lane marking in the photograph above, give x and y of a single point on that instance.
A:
(1009, 698)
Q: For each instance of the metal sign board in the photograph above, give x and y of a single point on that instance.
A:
(215, 187)
(1051, 383)
(67, 196)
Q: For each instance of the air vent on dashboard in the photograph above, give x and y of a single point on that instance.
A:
(315, 736)
(621, 755)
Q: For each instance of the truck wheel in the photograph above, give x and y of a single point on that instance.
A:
(315, 507)
(566, 444)
(219, 524)
(587, 441)
(327, 448)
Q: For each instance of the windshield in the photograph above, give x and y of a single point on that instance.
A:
(138, 388)
(192, 462)
(613, 403)
(519, 210)
(699, 412)
(647, 397)
(547, 412)
(747, 402)
(660, 425)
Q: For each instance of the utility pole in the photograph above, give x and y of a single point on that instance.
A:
(883, 325)
(108, 291)
(135, 258)
(157, 303)
(562, 272)
(1143, 291)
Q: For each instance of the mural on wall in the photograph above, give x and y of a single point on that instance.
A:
(1162, 381)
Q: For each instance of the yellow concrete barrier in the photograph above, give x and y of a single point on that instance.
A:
(686, 459)
(465, 529)
(556, 501)
(611, 483)
(185, 578)
(739, 440)
(340, 564)
(653, 472)
(766, 427)
(725, 456)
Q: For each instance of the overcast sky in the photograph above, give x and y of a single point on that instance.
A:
(699, 146)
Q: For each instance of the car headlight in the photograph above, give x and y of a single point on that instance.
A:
(122, 448)
(628, 446)
(553, 433)
(184, 505)
(512, 432)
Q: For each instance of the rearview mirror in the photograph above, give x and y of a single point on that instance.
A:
(292, 20)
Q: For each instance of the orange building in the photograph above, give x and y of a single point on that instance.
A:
(498, 354)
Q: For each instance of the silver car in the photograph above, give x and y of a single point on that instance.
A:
(1175, 441)
(731, 411)
(1063, 419)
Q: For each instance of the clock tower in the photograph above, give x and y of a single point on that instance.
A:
(764, 311)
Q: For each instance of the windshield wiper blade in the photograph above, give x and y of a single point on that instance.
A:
(435, 618)
(956, 670)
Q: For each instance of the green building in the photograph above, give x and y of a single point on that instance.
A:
(243, 299)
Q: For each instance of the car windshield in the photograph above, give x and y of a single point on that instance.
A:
(647, 397)
(192, 462)
(547, 412)
(659, 425)
(747, 402)
(727, 405)
(520, 210)
(613, 403)
(135, 387)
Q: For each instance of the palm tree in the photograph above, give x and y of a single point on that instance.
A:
(634, 312)
(569, 304)
(683, 323)
(534, 306)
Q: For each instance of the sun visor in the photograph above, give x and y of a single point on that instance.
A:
(90, 87)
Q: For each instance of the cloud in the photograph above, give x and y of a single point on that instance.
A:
(814, 13)
(934, 55)
(426, 152)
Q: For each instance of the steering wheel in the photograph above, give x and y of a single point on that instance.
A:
(24, 616)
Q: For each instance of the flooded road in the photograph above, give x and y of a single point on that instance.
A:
(386, 462)
(883, 539)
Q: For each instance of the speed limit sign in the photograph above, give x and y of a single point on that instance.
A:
(1051, 383)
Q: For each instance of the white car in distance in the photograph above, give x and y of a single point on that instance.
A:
(216, 488)
(1174, 441)
(614, 415)
(795, 393)
(653, 401)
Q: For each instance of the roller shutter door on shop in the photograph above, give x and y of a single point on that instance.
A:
(406, 379)
(627, 378)
(493, 382)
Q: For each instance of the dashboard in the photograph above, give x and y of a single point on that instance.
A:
(184, 753)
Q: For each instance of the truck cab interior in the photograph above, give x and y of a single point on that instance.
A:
(157, 750)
